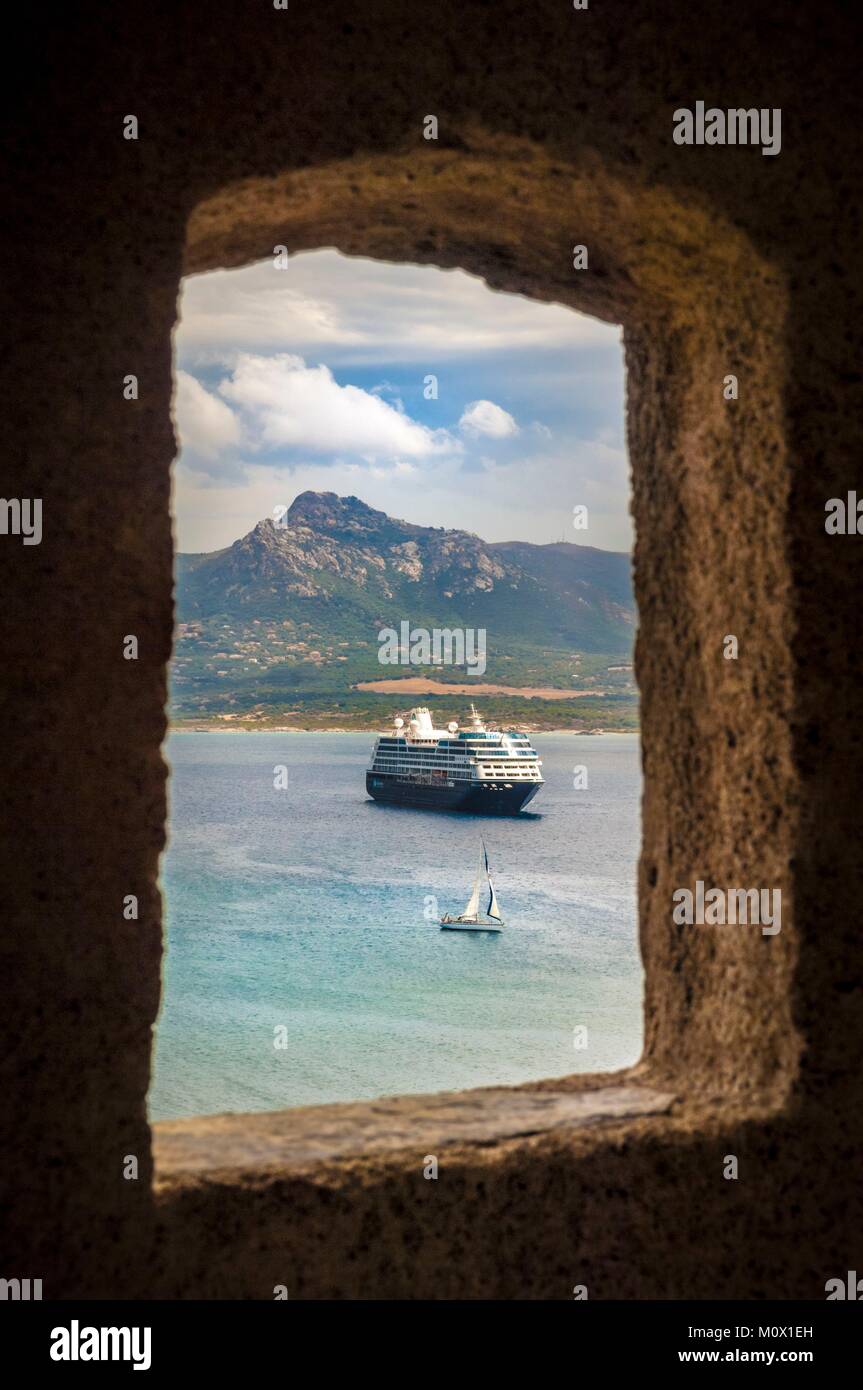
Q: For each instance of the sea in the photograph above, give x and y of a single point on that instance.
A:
(304, 961)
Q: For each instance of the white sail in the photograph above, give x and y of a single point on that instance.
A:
(472, 907)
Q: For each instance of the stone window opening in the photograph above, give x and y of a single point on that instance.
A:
(679, 289)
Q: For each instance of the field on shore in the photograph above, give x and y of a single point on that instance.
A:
(416, 685)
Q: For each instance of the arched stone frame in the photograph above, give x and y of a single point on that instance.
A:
(709, 499)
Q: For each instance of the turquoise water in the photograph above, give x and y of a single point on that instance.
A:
(303, 909)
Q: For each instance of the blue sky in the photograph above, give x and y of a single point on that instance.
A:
(315, 377)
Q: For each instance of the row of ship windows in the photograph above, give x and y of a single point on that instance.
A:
(483, 753)
(456, 742)
(464, 747)
(431, 761)
(499, 772)
(491, 768)
(435, 760)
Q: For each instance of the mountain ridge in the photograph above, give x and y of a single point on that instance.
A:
(301, 602)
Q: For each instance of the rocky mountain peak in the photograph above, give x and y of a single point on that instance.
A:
(360, 566)
(326, 511)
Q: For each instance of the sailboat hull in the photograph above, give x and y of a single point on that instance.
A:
(467, 926)
(482, 800)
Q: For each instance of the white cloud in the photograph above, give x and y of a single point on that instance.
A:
(370, 311)
(486, 418)
(285, 403)
(383, 327)
(205, 425)
(225, 312)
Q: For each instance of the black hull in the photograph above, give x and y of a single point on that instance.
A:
(483, 800)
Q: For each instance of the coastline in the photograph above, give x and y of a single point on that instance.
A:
(366, 729)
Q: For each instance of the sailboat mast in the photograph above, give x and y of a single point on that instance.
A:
(492, 910)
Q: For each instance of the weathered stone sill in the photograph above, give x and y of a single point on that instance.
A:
(278, 1141)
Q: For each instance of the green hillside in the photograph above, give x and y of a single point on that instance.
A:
(283, 625)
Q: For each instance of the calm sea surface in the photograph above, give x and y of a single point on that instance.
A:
(304, 909)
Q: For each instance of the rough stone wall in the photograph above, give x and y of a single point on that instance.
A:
(305, 127)
(632, 1212)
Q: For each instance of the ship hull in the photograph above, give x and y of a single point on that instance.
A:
(478, 800)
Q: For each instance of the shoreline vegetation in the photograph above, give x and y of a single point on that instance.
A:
(253, 728)
(543, 710)
(355, 722)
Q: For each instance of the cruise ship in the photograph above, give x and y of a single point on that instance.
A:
(485, 771)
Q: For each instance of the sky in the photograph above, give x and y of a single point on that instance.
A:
(317, 376)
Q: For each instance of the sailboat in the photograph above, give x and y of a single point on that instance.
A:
(472, 919)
